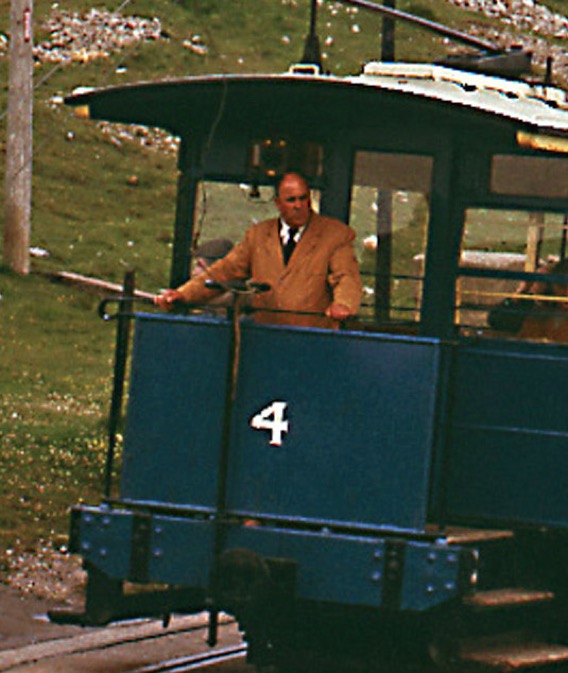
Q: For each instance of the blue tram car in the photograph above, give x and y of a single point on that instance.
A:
(412, 491)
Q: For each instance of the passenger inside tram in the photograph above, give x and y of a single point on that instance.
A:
(548, 318)
(540, 310)
(499, 247)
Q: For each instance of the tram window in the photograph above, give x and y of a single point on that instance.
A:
(493, 298)
(225, 210)
(389, 212)
(530, 176)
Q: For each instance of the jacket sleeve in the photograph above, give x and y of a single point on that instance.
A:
(344, 278)
(235, 265)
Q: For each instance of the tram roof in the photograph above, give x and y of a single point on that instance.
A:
(535, 104)
(186, 104)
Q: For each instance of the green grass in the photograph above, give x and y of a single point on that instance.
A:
(55, 357)
(92, 220)
(55, 354)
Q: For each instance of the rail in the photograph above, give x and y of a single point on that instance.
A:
(49, 654)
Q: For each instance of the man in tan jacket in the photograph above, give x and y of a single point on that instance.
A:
(307, 259)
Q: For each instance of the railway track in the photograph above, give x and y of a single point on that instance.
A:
(137, 647)
(196, 661)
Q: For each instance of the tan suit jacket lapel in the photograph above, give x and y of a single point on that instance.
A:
(273, 248)
(306, 245)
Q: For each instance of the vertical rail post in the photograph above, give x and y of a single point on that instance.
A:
(120, 360)
(383, 258)
(230, 396)
(383, 268)
(564, 237)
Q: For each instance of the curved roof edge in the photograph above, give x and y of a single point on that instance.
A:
(536, 105)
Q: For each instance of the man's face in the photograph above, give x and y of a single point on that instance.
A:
(293, 201)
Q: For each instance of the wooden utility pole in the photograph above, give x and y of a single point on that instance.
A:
(17, 203)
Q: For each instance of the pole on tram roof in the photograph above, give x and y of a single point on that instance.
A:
(312, 52)
(18, 180)
(388, 40)
(439, 28)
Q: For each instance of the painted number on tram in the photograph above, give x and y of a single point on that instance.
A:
(272, 418)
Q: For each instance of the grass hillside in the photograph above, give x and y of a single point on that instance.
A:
(92, 217)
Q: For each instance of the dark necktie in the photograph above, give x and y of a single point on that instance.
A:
(288, 248)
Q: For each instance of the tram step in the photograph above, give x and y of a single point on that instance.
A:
(464, 536)
(515, 656)
(509, 597)
(496, 552)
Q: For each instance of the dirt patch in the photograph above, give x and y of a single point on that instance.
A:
(34, 583)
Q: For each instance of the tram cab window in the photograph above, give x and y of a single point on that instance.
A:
(225, 210)
(496, 295)
(389, 212)
(529, 176)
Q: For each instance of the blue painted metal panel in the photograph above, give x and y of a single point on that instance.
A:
(342, 569)
(331, 567)
(361, 414)
(351, 570)
(175, 410)
(105, 538)
(508, 438)
(358, 410)
(432, 576)
(181, 551)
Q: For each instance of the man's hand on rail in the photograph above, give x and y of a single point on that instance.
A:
(168, 298)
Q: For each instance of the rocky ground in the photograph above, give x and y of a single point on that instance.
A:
(96, 34)
(524, 15)
(46, 573)
(525, 23)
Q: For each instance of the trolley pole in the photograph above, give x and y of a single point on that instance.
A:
(17, 204)
(388, 41)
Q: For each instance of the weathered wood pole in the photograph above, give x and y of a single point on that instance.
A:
(18, 183)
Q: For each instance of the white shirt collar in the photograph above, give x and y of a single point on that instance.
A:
(286, 230)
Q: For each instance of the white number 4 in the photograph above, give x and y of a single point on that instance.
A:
(272, 418)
